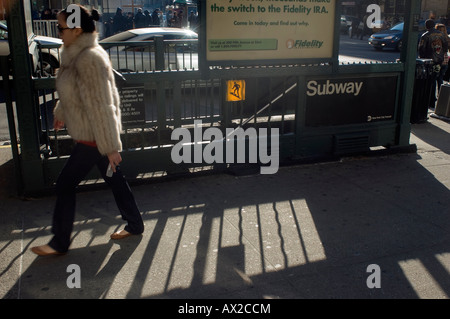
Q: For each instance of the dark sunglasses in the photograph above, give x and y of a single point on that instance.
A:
(61, 29)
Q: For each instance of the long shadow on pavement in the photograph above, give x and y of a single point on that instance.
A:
(309, 231)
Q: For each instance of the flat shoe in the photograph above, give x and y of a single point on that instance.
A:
(119, 235)
(41, 252)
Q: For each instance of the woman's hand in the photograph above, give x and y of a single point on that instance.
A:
(57, 124)
(114, 159)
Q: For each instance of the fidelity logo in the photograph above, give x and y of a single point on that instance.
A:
(303, 44)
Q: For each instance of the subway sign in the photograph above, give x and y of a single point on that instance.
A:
(348, 100)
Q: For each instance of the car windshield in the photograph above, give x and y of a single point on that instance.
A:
(166, 36)
(131, 36)
(397, 27)
(122, 36)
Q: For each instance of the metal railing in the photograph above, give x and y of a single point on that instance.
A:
(49, 28)
(158, 54)
(146, 101)
(168, 93)
(164, 90)
(132, 57)
(46, 28)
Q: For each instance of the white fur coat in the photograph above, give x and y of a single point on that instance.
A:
(89, 103)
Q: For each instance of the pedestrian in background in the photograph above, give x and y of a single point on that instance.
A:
(139, 19)
(169, 18)
(148, 19)
(129, 21)
(444, 66)
(173, 21)
(155, 18)
(364, 27)
(89, 106)
(433, 45)
(193, 21)
(47, 14)
(386, 24)
(355, 27)
(177, 20)
(119, 21)
(108, 27)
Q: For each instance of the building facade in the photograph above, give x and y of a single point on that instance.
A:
(390, 8)
(435, 8)
(104, 6)
(397, 8)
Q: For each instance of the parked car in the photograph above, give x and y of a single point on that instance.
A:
(391, 38)
(134, 50)
(47, 60)
(4, 45)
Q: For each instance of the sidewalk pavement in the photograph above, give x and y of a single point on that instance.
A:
(310, 231)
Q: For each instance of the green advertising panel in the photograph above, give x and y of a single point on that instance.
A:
(263, 30)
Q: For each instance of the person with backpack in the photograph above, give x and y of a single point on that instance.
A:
(433, 45)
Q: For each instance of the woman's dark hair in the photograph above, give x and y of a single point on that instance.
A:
(87, 19)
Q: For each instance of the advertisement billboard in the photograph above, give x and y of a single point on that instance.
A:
(284, 30)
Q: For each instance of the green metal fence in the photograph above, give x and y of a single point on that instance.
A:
(165, 90)
(173, 99)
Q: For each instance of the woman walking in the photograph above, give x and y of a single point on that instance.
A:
(89, 107)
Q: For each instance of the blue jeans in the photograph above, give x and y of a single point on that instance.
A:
(81, 161)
